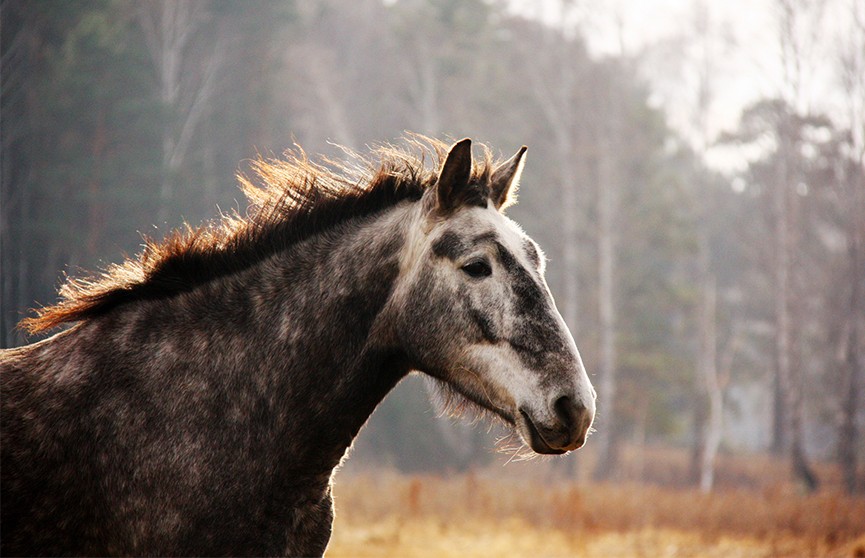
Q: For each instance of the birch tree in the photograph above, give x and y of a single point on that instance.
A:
(852, 351)
(798, 28)
(187, 70)
(558, 82)
(780, 174)
(708, 427)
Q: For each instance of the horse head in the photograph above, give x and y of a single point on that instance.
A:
(476, 312)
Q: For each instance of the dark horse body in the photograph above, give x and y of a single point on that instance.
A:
(207, 389)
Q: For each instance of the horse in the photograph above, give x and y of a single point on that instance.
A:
(204, 390)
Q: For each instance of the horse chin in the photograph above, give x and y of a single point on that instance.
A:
(450, 401)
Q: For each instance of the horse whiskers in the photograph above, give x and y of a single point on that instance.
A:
(455, 404)
(503, 446)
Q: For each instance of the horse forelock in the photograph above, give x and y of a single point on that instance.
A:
(290, 199)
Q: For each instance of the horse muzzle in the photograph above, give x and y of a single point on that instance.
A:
(562, 429)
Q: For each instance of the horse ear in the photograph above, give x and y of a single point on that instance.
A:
(452, 187)
(506, 180)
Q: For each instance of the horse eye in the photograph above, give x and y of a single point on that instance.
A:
(478, 268)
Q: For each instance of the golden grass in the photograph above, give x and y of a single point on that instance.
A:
(431, 537)
(544, 513)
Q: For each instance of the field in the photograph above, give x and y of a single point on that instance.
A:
(536, 510)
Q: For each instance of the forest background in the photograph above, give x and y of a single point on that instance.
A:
(709, 258)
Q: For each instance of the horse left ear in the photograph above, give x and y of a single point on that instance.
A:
(452, 187)
(506, 180)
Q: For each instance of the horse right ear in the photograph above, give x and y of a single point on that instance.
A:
(506, 179)
(452, 188)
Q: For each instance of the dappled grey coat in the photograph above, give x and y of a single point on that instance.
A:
(208, 388)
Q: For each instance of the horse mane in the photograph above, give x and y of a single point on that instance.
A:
(290, 199)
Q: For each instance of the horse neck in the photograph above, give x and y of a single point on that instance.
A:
(329, 331)
(297, 343)
(335, 330)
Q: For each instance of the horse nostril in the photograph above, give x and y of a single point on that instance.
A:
(567, 411)
(573, 422)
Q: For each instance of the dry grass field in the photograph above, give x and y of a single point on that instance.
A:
(542, 513)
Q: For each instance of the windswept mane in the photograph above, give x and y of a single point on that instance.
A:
(290, 199)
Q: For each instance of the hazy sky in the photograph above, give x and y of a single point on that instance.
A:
(743, 46)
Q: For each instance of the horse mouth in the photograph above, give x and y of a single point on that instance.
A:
(550, 442)
(566, 434)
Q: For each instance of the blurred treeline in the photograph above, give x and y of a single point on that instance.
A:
(715, 312)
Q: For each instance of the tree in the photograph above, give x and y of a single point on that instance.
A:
(558, 87)
(18, 55)
(782, 176)
(707, 426)
(186, 72)
(610, 138)
(74, 80)
(852, 74)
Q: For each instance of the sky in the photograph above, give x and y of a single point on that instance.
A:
(744, 52)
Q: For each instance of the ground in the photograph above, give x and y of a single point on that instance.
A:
(537, 510)
(432, 537)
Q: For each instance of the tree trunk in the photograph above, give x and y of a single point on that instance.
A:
(853, 80)
(328, 97)
(707, 397)
(21, 45)
(715, 424)
(855, 338)
(609, 440)
(790, 370)
(169, 28)
(706, 358)
(96, 202)
(779, 429)
(781, 239)
(570, 245)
